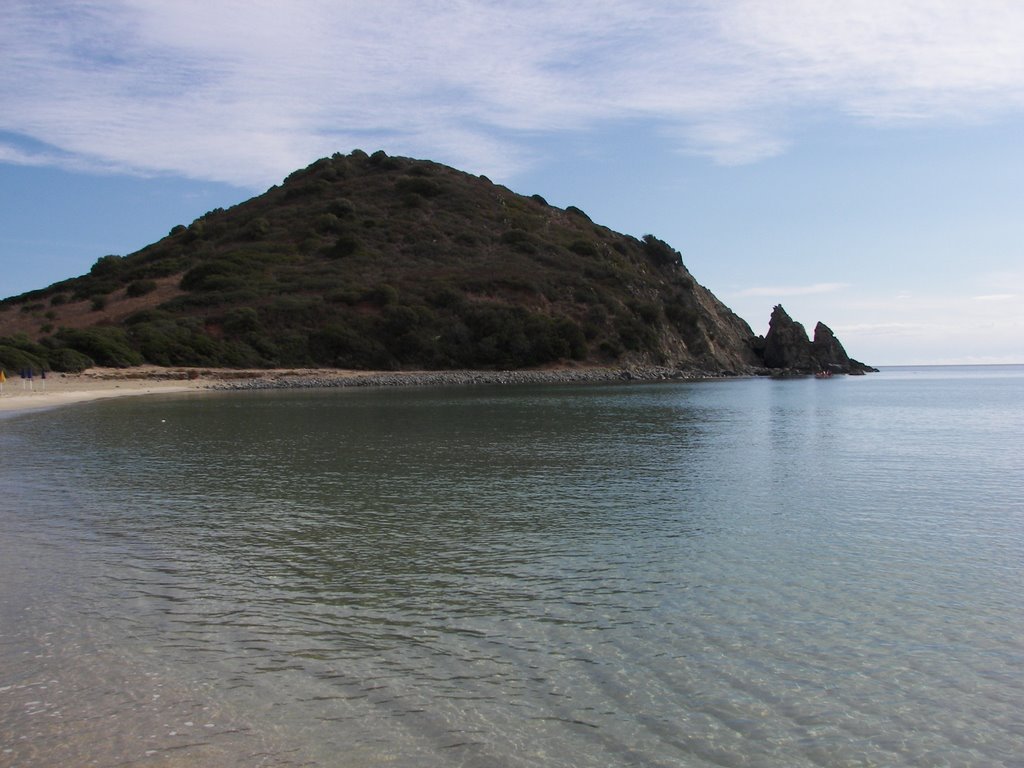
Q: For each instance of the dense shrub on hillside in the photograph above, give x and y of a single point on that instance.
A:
(344, 346)
(184, 341)
(519, 239)
(382, 295)
(382, 162)
(64, 360)
(344, 246)
(295, 312)
(165, 267)
(327, 223)
(659, 251)
(257, 229)
(13, 359)
(147, 316)
(410, 334)
(107, 265)
(19, 353)
(634, 334)
(418, 185)
(89, 287)
(681, 314)
(140, 288)
(107, 345)
(225, 273)
(583, 248)
(24, 343)
(647, 311)
(490, 335)
(447, 297)
(341, 207)
(193, 302)
(241, 320)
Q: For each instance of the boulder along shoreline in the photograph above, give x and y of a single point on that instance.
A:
(475, 377)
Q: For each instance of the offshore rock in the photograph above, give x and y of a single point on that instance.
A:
(786, 345)
(826, 348)
(786, 349)
(830, 355)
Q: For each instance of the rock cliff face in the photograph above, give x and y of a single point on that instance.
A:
(786, 347)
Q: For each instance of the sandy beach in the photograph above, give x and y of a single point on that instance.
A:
(94, 384)
(59, 389)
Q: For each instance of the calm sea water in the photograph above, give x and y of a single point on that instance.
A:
(730, 573)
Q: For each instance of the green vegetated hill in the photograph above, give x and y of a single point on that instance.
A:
(378, 262)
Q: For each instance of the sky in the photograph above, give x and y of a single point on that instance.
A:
(860, 162)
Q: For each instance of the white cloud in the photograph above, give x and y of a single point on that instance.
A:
(247, 91)
(997, 297)
(891, 59)
(791, 290)
(18, 156)
(13, 154)
(885, 329)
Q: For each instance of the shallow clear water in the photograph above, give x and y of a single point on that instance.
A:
(730, 573)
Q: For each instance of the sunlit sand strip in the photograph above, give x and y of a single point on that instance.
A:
(100, 383)
(96, 384)
(19, 401)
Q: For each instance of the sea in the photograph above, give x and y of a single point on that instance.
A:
(740, 572)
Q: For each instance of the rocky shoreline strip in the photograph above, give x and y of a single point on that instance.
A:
(97, 383)
(464, 377)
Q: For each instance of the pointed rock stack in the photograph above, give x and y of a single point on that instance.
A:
(787, 349)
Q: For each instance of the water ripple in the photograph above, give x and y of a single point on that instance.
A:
(732, 574)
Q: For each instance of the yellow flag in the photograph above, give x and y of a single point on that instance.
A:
(3, 377)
